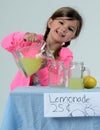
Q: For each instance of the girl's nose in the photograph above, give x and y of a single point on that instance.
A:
(64, 30)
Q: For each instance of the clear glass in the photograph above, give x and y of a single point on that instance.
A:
(75, 75)
(57, 74)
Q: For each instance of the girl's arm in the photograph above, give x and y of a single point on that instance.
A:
(13, 41)
(17, 40)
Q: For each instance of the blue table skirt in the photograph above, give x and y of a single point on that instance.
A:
(25, 111)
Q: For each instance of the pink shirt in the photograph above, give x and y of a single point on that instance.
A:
(11, 43)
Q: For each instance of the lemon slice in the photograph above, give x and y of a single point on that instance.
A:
(89, 82)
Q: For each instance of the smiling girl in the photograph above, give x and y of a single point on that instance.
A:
(63, 26)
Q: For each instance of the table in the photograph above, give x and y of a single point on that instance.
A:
(25, 111)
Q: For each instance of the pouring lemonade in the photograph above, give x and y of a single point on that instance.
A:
(29, 58)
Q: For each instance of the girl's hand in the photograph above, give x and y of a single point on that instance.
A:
(31, 37)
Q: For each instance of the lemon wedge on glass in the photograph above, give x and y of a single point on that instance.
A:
(89, 82)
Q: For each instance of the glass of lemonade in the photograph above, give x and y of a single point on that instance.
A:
(75, 83)
(76, 72)
(28, 60)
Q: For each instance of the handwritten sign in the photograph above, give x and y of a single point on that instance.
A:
(71, 104)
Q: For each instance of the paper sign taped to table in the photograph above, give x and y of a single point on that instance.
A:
(72, 104)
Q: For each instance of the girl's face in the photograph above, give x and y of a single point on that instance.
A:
(62, 29)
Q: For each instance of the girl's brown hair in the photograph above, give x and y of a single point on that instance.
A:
(72, 14)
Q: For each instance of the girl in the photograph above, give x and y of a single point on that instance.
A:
(64, 25)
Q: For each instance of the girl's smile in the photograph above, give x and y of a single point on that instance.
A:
(61, 34)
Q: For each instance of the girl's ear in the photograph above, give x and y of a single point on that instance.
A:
(50, 21)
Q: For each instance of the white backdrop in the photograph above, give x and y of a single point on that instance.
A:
(32, 15)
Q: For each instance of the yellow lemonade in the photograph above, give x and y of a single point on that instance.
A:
(31, 65)
(75, 83)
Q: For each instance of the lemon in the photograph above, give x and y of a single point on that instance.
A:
(89, 82)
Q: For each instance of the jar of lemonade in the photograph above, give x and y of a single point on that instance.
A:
(76, 72)
(29, 59)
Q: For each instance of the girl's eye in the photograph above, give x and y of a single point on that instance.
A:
(61, 22)
(70, 29)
